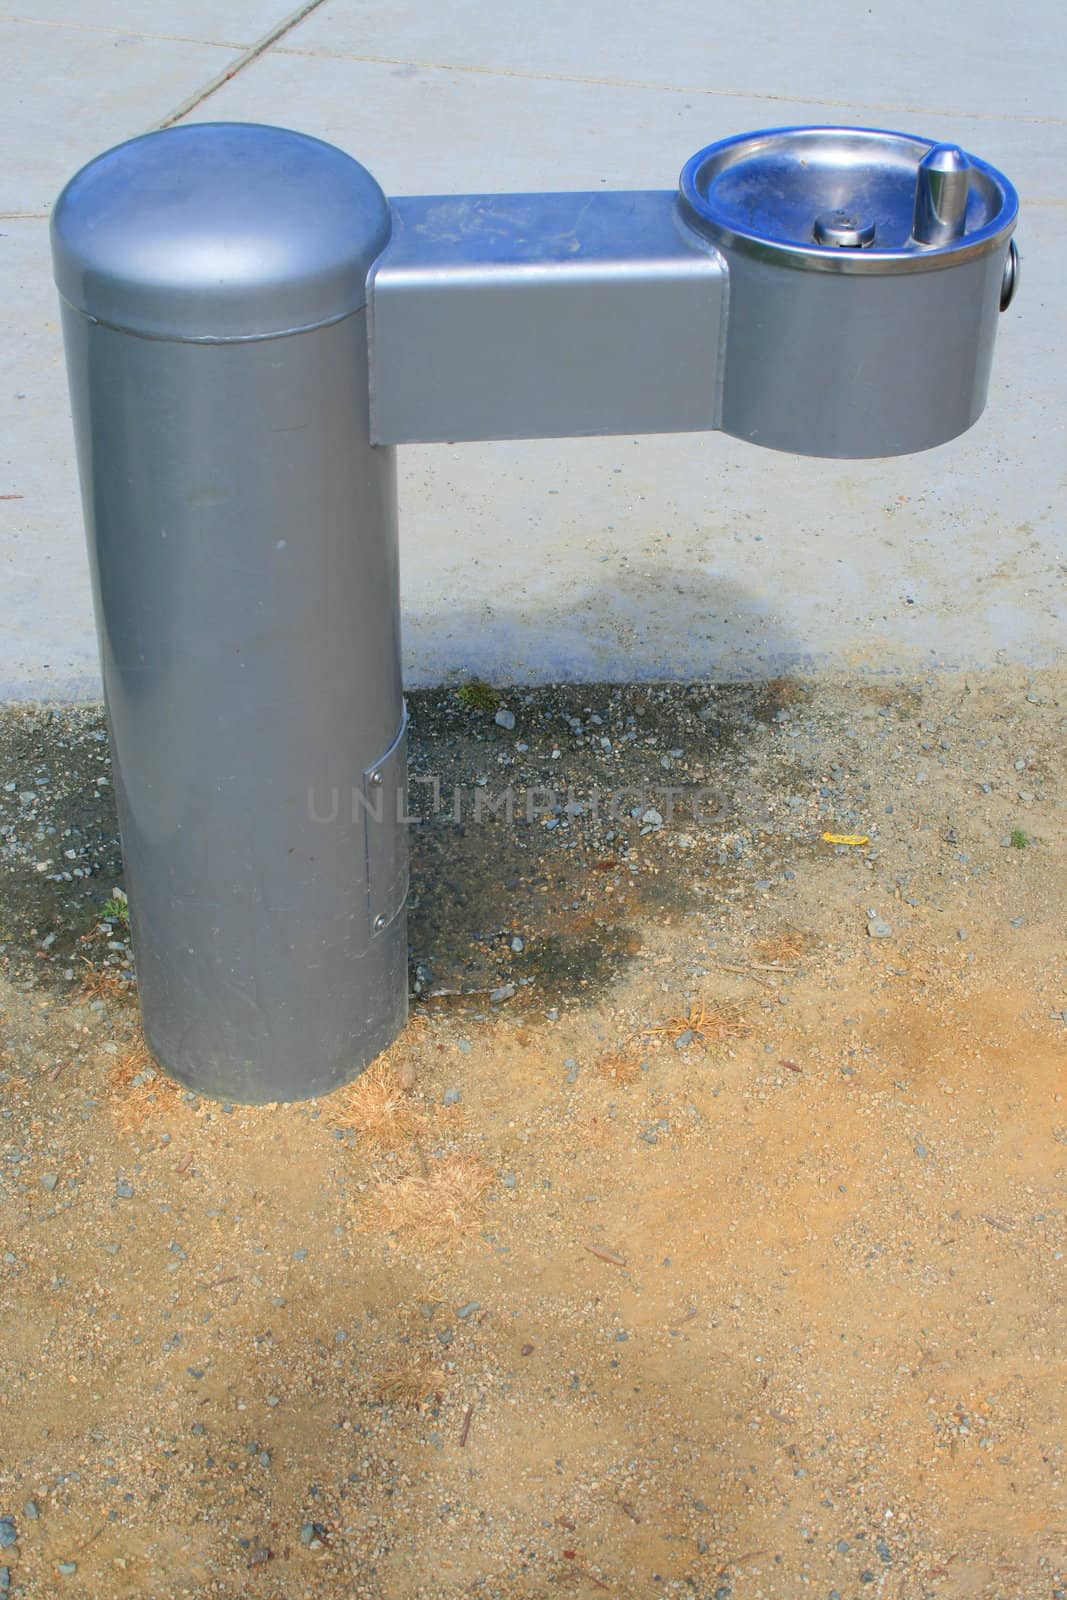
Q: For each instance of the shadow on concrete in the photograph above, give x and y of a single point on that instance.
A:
(550, 868)
(528, 833)
(624, 630)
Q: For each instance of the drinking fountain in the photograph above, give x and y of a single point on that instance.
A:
(251, 327)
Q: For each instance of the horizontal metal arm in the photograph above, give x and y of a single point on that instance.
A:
(544, 316)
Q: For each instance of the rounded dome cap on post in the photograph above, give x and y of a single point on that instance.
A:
(219, 231)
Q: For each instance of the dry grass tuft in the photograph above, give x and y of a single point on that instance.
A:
(621, 1066)
(784, 947)
(104, 983)
(379, 1105)
(417, 1384)
(724, 1020)
(138, 1089)
(437, 1204)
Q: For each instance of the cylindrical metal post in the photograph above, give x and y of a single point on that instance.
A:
(242, 537)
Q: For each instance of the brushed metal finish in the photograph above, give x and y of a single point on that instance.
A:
(844, 229)
(242, 539)
(759, 194)
(848, 366)
(1010, 283)
(942, 190)
(543, 315)
(218, 230)
(243, 546)
(515, 316)
(875, 350)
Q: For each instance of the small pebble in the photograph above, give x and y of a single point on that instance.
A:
(452, 1097)
(468, 1310)
(30, 1511)
(505, 718)
(48, 1182)
(878, 929)
(67, 1569)
(123, 1190)
(8, 1533)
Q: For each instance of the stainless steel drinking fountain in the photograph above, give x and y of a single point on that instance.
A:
(251, 326)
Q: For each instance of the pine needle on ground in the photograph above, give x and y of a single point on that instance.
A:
(433, 1206)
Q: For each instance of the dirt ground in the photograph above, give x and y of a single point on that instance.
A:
(722, 1258)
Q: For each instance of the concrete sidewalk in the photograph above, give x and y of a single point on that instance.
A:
(616, 558)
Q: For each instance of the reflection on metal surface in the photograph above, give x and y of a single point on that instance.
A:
(942, 190)
(759, 192)
(544, 315)
(1010, 281)
(844, 229)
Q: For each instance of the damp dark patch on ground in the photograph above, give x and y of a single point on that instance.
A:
(553, 821)
(60, 858)
(554, 828)
(546, 826)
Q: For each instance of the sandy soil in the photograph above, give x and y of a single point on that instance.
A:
(723, 1259)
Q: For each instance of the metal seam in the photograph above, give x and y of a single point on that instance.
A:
(210, 338)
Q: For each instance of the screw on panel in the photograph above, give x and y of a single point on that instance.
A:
(376, 780)
(379, 922)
